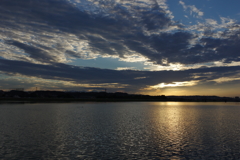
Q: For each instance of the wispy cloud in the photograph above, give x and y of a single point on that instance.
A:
(194, 11)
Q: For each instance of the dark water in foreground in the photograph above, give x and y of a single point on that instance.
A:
(131, 130)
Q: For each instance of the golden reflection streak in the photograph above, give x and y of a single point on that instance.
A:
(173, 123)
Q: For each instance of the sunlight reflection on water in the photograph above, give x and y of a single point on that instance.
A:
(132, 130)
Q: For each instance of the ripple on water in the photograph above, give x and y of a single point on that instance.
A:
(120, 131)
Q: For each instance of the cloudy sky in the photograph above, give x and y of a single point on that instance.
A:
(157, 47)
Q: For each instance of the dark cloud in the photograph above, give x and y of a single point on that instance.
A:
(83, 75)
(106, 35)
(73, 54)
(34, 52)
(59, 71)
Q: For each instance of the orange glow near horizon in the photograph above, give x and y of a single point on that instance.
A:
(213, 90)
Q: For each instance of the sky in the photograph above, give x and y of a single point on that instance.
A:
(155, 47)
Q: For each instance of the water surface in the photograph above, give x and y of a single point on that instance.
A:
(127, 130)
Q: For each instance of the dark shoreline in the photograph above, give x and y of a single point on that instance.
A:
(21, 96)
(72, 100)
(59, 100)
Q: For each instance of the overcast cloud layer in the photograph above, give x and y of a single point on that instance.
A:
(40, 38)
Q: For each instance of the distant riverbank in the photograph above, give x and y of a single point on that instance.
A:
(43, 100)
(64, 96)
(68, 100)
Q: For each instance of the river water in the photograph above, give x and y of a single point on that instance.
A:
(126, 130)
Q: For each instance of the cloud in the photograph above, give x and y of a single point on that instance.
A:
(125, 68)
(175, 84)
(40, 38)
(193, 9)
(34, 52)
(127, 80)
(58, 27)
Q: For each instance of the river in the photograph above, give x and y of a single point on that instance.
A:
(123, 130)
